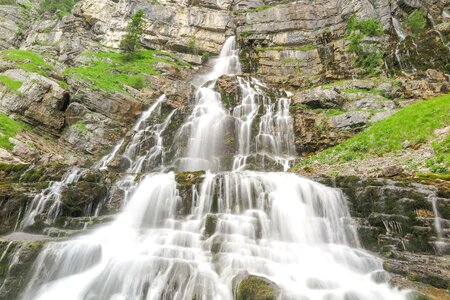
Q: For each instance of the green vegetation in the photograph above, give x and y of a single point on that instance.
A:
(416, 21)
(81, 126)
(59, 8)
(307, 47)
(192, 45)
(254, 287)
(9, 128)
(110, 72)
(260, 8)
(368, 56)
(8, 2)
(11, 85)
(413, 124)
(132, 40)
(28, 61)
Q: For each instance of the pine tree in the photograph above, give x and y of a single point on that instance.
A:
(130, 42)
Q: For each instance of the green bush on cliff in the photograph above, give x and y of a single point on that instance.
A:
(416, 21)
(8, 128)
(132, 39)
(413, 125)
(368, 56)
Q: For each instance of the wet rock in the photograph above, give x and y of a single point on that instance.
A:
(15, 265)
(256, 288)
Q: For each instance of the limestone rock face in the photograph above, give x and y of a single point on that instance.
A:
(40, 99)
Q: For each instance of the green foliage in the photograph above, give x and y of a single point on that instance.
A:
(132, 39)
(414, 123)
(110, 72)
(81, 126)
(59, 8)
(260, 8)
(9, 128)
(8, 2)
(440, 163)
(368, 57)
(416, 21)
(28, 61)
(192, 45)
(10, 84)
(369, 27)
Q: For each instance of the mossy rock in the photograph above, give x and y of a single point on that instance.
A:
(189, 178)
(256, 288)
(210, 224)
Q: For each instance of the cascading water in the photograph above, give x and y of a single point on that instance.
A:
(173, 242)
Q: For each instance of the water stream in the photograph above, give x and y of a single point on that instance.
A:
(196, 242)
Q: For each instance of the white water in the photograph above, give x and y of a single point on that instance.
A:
(50, 196)
(291, 230)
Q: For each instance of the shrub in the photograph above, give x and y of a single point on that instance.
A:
(132, 39)
(368, 57)
(416, 21)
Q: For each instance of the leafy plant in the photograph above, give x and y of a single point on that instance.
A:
(416, 21)
(132, 40)
(368, 57)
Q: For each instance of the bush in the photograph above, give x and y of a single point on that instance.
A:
(368, 57)
(60, 8)
(416, 21)
(132, 39)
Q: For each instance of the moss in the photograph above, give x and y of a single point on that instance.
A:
(210, 224)
(189, 178)
(81, 126)
(255, 288)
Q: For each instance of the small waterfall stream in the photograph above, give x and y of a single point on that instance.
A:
(171, 242)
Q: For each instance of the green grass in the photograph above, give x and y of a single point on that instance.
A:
(58, 8)
(414, 123)
(11, 85)
(81, 126)
(28, 61)
(9, 128)
(8, 2)
(110, 72)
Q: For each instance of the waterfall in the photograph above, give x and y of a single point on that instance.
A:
(195, 240)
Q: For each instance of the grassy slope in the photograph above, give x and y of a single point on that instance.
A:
(10, 84)
(109, 71)
(414, 125)
(8, 128)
